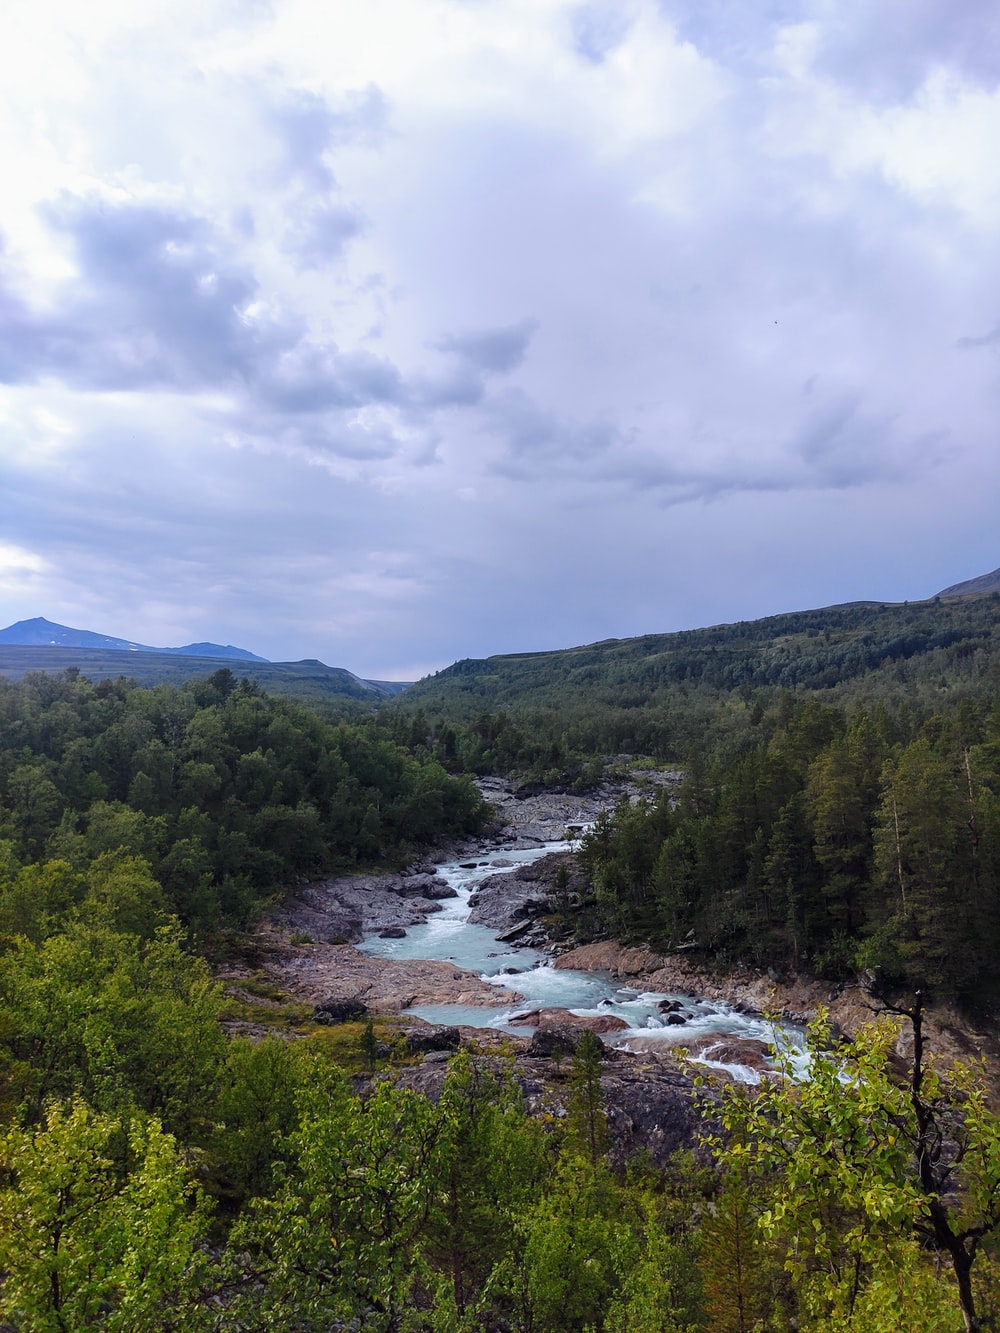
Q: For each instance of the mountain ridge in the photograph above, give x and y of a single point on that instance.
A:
(980, 586)
(41, 633)
(42, 645)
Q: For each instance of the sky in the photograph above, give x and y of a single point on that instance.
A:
(396, 332)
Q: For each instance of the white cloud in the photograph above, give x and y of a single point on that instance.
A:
(374, 332)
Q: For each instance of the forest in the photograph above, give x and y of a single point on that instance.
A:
(225, 792)
(831, 841)
(161, 1171)
(543, 717)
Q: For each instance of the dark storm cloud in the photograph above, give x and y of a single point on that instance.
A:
(308, 127)
(498, 350)
(304, 124)
(731, 30)
(315, 437)
(311, 378)
(887, 50)
(156, 305)
(536, 439)
(883, 50)
(472, 358)
(847, 445)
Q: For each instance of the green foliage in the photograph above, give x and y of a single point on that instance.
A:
(586, 1120)
(225, 792)
(859, 1177)
(100, 1227)
(824, 845)
(489, 1164)
(575, 1234)
(666, 695)
(118, 1019)
(256, 1111)
(340, 1237)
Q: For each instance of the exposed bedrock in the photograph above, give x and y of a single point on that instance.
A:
(651, 1104)
(328, 974)
(335, 911)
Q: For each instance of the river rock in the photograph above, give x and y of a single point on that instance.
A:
(339, 1011)
(555, 1042)
(392, 933)
(318, 973)
(435, 1038)
(563, 1018)
(746, 1051)
(420, 886)
(345, 910)
(510, 903)
(651, 1104)
(651, 1109)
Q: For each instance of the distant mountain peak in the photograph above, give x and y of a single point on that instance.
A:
(977, 587)
(41, 633)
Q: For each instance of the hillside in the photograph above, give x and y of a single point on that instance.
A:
(666, 694)
(307, 682)
(977, 587)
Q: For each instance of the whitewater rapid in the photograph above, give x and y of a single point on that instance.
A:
(448, 935)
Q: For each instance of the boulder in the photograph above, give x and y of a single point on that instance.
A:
(421, 1040)
(339, 1011)
(555, 1042)
(558, 1019)
(746, 1051)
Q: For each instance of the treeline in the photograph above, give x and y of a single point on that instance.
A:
(540, 715)
(831, 841)
(226, 792)
(502, 744)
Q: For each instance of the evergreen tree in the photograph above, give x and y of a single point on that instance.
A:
(587, 1127)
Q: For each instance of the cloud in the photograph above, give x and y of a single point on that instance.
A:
(599, 28)
(491, 350)
(155, 304)
(984, 340)
(396, 333)
(888, 50)
(539, 441)
(320, 235)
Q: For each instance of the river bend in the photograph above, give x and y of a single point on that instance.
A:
(448, 935)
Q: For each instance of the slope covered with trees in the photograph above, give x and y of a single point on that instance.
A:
(331, 689)
(827, 840)
(544, 715)
(226, 792)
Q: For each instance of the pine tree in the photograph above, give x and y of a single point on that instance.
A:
(587, 1121)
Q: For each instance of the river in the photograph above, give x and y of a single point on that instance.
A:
(448, 935)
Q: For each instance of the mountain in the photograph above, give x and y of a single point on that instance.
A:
(977, 587)
(662, 694)
(39, 632)
(40, 645)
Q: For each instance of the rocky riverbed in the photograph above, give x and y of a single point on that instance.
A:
(306, 948)
(651, 1105)
(797, 999)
